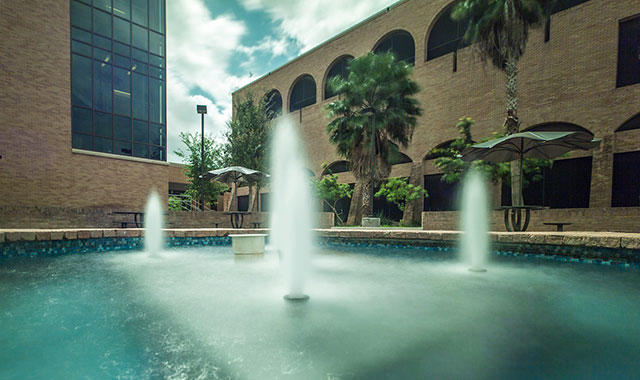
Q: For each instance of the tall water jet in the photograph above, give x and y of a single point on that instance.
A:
(153, 223)
(291, 209)
(474, 222)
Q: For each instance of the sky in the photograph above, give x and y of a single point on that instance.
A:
(217, 46)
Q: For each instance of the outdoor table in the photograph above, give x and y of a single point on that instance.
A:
(237, 217)
(559, 225)
(513, 218)
(138, 217)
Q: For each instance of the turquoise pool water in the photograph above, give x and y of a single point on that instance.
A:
(385, 313)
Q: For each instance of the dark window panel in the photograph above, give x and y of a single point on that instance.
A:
(86, 1)
(122, 147)
(103, 4)
(140, 96)
(156, 43)
(80, 15)
(103, 124)
(399, 43)
(156, 15)
(102, 86)
(141, 150)
(303, 93)
(122, 128)
(80, 81)
(156, 101)
(156, 134)
(121, 91)
(122, 8)
(139, 67)
(102, 23)
(139, 12)
(156, 72)
(80, 48)
(274, 104)
(633, 123)
(140, 37)
(101, 55)
(102, 144)
(140, 55)
(561, 5)
(102, 42)
(81, 120)
(445, 36)
(156, 61)
(80, 141)
(157, 153)
(121, 61)
(121, 30)
(626, 180)
(339, 69)
(629, 53)
(442, 195)
(80, 35)
(121, 49)
(140, 131)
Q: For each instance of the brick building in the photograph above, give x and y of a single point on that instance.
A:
(82, 103)
(581, 71)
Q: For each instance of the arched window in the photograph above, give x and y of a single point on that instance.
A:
(433, 153)
(338, 69)
(337, 167)
(401, 44)
(561, 5)
(303, 93)
(633, 123)
(274, 103)
(446, 35)
(557, 127)
(401, 158)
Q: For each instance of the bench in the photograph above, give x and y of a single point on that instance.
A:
(559, 225)
(137, 220)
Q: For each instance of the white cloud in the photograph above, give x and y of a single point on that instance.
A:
(312, 22)
(199, 50)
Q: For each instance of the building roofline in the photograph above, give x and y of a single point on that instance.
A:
(351, 28)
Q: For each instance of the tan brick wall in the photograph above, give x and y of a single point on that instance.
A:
(571, 78)
(618, 219)
(175, 173)
(38, 167)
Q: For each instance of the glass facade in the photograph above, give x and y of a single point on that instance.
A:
(118, 83)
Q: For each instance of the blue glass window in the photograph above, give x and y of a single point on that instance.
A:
(139, 12)
(115, 93)
(80, 81)
(121, 30)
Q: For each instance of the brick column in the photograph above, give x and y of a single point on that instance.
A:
(602, 174)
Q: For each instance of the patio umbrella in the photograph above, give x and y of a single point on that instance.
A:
(543, 145)
(236, 175)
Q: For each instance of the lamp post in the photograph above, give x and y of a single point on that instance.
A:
(202, 110)
(371, 111)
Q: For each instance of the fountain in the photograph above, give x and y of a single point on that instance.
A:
(153, 222)
(474, 222)
(291, 210)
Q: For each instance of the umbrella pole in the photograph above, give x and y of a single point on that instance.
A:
(520, 182)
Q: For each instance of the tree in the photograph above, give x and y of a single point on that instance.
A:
(330, 191)
(378, 90)
(454, 168)
(399, 191)
(213, 159)
(247, 137)
(499, 30)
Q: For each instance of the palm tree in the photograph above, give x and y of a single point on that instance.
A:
(499, 30)
(378, 92)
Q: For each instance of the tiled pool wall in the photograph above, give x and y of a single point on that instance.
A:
(565, 253)
(62, 247)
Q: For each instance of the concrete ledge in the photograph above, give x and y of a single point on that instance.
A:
(608, 240)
